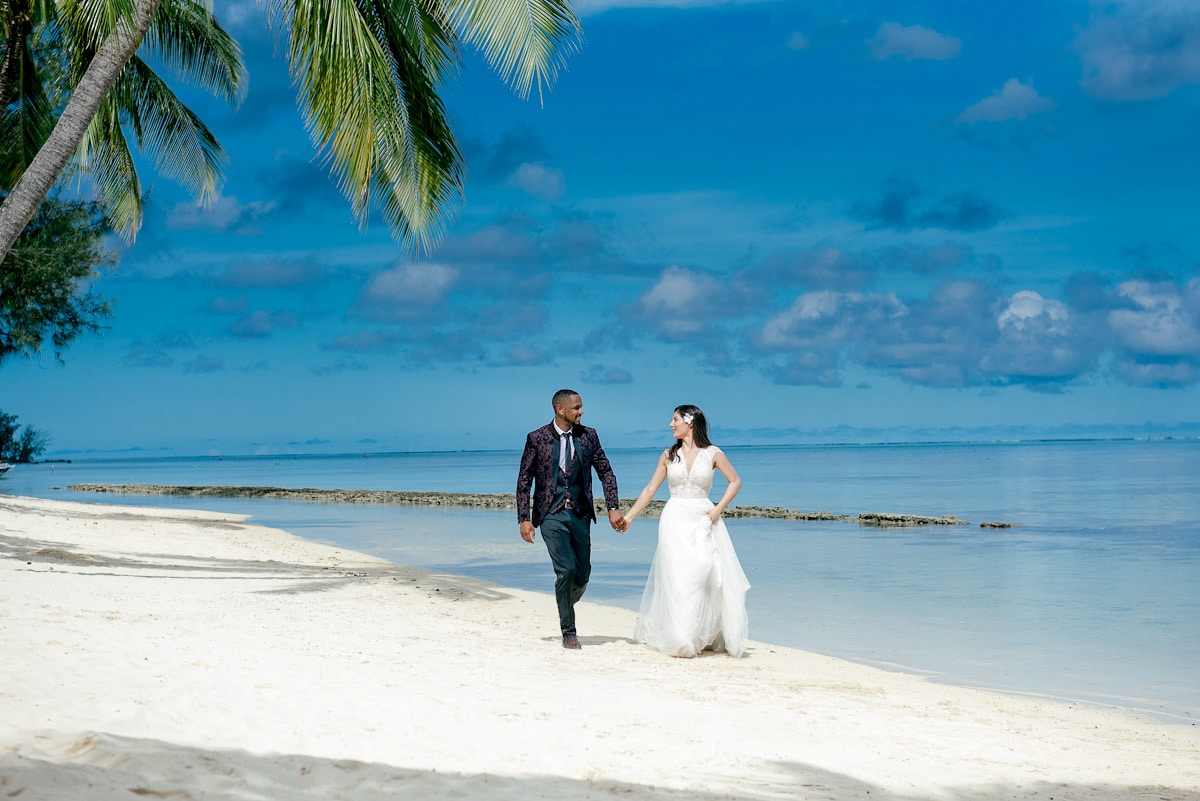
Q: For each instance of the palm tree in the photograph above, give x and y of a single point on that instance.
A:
(26, 114)
(50, 47)
(368, 73)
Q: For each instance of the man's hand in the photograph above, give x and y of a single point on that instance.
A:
(617, 521)
(527, 532)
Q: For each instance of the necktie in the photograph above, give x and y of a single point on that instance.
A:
(566, 452)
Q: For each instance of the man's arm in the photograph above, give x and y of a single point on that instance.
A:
(524, 484)
(608, 479)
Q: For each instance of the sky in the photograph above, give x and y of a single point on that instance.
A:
(818, 221)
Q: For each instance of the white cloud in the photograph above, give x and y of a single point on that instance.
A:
(825, 318)
(1161, 320)
(798, 41)
(239, 15)
(912, 43)
(1140, 49)
(680, 292)
(687, 305)
(1038, 341)
(1027, 309)
(538, 180)
(406, 292)
(222, 215)
(1170, 374)
(1015, 100)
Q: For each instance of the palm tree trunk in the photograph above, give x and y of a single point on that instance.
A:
(35, 183)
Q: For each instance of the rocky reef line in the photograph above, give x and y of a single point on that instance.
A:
(502, 501)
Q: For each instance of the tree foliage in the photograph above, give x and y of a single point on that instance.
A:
(48, 48)
(45, 289)
(369, 74)
(18, 445)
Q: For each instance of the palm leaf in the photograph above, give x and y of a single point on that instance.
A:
(26, 121)
(188, 39)
(525, 41)
(419, 176)
(182, 146)
(92, 21)
(104, 157)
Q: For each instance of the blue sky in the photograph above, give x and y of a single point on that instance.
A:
(819, 221)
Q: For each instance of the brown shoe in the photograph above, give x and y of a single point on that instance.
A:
(571, 641)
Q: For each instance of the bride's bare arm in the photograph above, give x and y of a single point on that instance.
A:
(722, 463)
(647, 494)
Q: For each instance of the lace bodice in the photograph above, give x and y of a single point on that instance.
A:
(696, 484)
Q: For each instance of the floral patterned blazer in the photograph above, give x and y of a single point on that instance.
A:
(540, 460)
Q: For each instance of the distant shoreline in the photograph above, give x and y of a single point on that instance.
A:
(502, 501)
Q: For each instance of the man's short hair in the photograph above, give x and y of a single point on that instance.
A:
(562, 396)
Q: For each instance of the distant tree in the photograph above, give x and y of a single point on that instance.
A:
(17, 445)
(31, 445)
(45, 292)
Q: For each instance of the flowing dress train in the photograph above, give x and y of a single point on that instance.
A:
(695, 597)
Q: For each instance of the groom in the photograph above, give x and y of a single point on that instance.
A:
(557, 463)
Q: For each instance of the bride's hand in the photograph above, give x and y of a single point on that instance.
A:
(714, 515)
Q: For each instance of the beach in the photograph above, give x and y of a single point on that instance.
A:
(162, 653)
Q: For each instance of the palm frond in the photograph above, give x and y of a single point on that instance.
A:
(182, 146)
(418, 184)
(188, 39)
(27, 116)
(93, 20)
(104, 157)
(525, 41)
(368, 74)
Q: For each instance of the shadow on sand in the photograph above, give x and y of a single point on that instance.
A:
(102, 767)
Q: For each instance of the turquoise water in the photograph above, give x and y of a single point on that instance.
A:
(1094, 597)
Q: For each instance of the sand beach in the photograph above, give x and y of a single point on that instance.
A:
(156, 653)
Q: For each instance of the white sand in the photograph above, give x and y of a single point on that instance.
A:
(186, 655)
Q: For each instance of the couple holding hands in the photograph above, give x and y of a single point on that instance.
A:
(695, 596)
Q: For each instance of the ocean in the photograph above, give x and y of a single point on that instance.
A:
(1093, 596)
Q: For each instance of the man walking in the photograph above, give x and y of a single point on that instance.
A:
(557, 464)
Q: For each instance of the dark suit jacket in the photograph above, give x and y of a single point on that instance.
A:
(540, 460)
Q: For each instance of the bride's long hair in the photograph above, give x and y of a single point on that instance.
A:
(699, 430)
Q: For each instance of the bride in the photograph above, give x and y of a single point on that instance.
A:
(695, 597)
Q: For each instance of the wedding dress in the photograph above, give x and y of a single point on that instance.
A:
(695, 597)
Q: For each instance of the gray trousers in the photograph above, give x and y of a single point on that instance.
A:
(568, 538)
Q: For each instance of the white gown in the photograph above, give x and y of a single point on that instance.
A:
(695, 597)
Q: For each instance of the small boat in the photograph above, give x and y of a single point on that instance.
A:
(4, 466)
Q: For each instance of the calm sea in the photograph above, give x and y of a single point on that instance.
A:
(1093, 597)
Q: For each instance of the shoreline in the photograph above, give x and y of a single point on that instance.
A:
(191, 654)
(503, 501)
(940, 664)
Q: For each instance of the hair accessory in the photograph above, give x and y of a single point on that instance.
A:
(688, 418)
